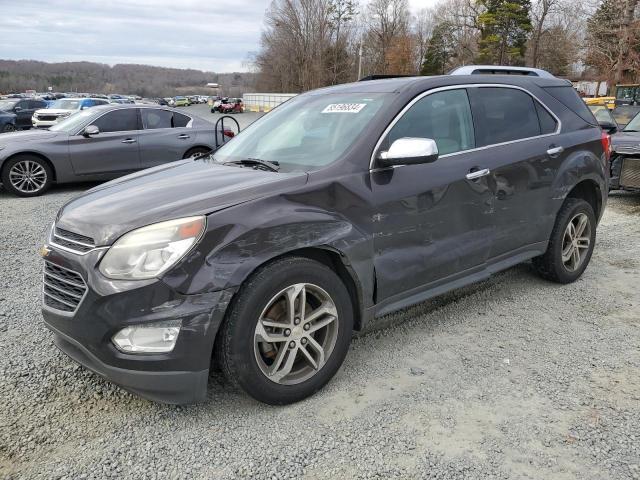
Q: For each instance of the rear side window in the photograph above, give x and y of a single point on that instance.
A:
(444, 117)
(548, 124)
(154, 118)
(180, 120)
(503, 115)
(570, 99)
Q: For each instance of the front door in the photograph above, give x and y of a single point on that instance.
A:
(112, 152)
(430, 222)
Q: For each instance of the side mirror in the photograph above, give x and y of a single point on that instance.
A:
(17, 109)
(409, 151)
(608, 127)
(90, 130)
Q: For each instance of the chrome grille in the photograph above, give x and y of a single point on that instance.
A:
(630, 175)
(72, 241)
(63, 288)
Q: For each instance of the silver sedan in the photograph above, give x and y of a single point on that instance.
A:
(102, 143)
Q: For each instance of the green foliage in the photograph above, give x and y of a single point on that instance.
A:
(504, 26)
(439, 51)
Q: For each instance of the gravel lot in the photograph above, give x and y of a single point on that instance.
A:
(511, 378)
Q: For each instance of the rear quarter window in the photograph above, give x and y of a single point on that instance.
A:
(570, 99)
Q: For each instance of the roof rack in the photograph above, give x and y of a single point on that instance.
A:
(500, 70)
(382, 77)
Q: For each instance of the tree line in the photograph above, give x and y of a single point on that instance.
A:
(307, 44)
(143, 80)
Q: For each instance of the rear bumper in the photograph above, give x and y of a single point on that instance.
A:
(165, 387)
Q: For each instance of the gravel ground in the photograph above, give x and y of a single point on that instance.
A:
(511, 378)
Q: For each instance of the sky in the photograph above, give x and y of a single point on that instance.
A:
(210, 35)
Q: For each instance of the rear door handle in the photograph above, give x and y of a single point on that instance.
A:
(478, 174)
(184, 136)
(555, 151)
(129, 140)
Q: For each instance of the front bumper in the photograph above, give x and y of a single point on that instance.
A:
(179, 376)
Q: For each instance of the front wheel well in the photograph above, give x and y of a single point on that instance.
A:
(33, 154)
(195, 148)
(589, 191)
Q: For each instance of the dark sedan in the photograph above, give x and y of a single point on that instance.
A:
(22, 108)
(101, 143)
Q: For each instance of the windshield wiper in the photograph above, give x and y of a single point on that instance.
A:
(256, 163)
(625, 130)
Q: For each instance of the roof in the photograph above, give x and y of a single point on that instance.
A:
(402, 84)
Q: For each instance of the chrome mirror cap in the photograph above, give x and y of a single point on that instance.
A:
(91, 130)
(410, 150)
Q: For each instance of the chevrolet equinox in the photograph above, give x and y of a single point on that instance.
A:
(340, 206)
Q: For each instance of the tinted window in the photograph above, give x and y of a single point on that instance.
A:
(23, 104)
(38, 104)
(548, 124)
(503, 115)
(570, 99)
(152, 118)
(118, 121)
(180, 120)
(444, 117)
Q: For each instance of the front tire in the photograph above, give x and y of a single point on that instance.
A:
(571, 243)
(9, 127)
(27, 176)
(288, 331)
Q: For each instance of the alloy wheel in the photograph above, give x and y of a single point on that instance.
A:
(296, 334)
(28, 176)
(576, 242)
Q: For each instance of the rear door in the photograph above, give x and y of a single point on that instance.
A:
(114, 151)
(23, 112)
(520, 153)
(431, 223)
(165, 136)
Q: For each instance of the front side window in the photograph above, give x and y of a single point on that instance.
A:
(121, 120)
(153, 118)
(444, 117)
(503, 115)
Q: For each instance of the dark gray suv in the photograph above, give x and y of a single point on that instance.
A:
(341, 206)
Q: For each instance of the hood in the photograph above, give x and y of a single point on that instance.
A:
(173, 190)
(32, 135)
(5, 114)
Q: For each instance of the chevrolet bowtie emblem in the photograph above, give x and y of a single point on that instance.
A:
(44, 251)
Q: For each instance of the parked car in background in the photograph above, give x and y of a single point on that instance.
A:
(625, 160)
(181, 102)
(102, 143)
(341, 206)
(7, 122)
(23, 109)
(233, 105)
(61, 109)
(624, 113)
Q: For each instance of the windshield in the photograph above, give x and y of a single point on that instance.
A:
(624, 114)
(75, 122)
(633, 125)
(66, 104)
(602, 114)
(7, 104)
(305, 133)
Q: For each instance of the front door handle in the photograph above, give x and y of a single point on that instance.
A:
(478, 174)
(129, 140)
(184, 136)
(555, 151)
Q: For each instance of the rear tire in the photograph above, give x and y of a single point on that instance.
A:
(571, 243)
(27, 176)
(260, 344)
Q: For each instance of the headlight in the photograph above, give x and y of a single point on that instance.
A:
(160, 337)
(152, 250)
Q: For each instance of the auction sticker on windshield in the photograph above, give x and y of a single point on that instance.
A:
(344, 108)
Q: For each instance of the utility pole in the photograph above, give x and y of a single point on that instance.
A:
(360, 61)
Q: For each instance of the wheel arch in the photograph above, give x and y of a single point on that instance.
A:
(588, 190)
(194, 147)
(35, 154)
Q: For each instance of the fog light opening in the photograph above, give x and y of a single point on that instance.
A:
(158, 337)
